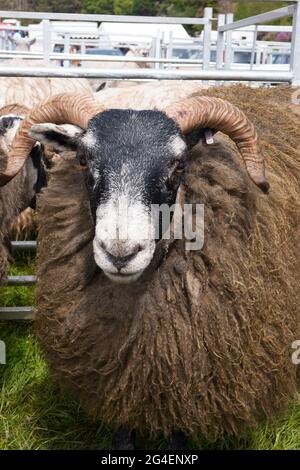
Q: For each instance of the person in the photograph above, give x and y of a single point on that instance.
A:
(283, 36)
(21, 43)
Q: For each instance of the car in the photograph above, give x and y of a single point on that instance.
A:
(282, 59)
(96, 51)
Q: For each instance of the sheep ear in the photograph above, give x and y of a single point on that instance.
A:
(204, 135)
(60, 137)
(9, 121)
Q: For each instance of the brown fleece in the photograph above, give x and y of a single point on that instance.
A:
(202, 342)
(10, 197)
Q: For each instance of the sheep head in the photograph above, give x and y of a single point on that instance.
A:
(134, 160)
(11, 117)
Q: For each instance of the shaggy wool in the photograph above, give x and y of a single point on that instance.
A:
(202, 342)
(11, 196)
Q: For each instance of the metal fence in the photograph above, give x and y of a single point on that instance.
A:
(221, 70)
(19, 313)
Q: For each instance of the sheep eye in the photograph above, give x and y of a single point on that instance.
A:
(82, 160)
(179, 170)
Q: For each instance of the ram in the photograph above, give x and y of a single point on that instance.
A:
(17, 94)
(148, 334)
(20, 192)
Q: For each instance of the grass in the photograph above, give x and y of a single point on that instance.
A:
(34, 414)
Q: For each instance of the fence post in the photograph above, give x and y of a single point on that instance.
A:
(220, 43)
(228, 50)
(295, 61)
(157, 48)
(208, 14)
(67, 50)
(46, 26)
(253, 47)
(170, 48)
(2, 353)
(3, 42)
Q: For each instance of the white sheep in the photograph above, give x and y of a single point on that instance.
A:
(158, 94)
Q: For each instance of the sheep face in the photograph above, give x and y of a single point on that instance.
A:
(8, 127)
(135, 161)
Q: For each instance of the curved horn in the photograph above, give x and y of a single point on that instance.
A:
(71, 108)
(215, 113)
(14, 108)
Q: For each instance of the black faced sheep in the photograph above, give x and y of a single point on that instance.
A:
(20, 192)
(162, 338)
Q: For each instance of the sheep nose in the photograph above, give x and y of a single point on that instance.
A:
(121, 261)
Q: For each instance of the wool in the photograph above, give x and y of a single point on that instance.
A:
(202, 341)
(31, 90)
(151, 95)
(23, 224)
(11, 197)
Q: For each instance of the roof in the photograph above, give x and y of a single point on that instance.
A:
(141, 32)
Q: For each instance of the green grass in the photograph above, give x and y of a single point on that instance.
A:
(34, 414)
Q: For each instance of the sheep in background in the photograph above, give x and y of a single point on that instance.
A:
(98, 84)
(20, 192)
(157, 94)
(23, 224)
(29, 91)
(148, 335)
(19, 195)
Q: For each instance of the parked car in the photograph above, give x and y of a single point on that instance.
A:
(282, 59)
(112, 52)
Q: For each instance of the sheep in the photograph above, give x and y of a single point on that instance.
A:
(19, 193)
(147, 95)
(193, 341)
(113, 65)
(23, 224)
(17, 199)
(29, 91)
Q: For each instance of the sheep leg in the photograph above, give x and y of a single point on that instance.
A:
(123, 439)
(177, 441)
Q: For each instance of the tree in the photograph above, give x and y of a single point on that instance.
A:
(102, 7)
(246, 9)
(225, 6)
(57, 6)
(193, 8)
(123, 7)
(17, 5)
(145, 7)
